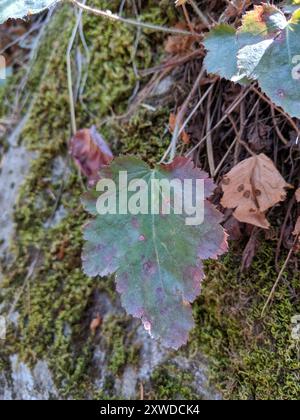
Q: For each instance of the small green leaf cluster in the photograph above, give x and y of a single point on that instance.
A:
(265, 49)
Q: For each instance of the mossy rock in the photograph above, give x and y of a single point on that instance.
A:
(244, 356)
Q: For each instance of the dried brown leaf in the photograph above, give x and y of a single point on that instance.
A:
(251, 188)
(297, 193)
(90, 152)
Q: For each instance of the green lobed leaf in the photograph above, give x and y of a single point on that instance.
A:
(275, 63)
(222, 46)
(266, 49)
(157, 258)
(223, 42)
(14, 9)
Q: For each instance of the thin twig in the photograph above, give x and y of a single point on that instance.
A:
(142, 391)
(282, 230)
(19, 101)
(201, 100)
(225, 157)
(243, 125)
(181, 115)
(200, 14)
(69, 73)
(238, 136)
(195, 109)
(209, 146)
(290, 120)
(133, 58)
(88, 59)
(279, 277)
(187, 18)
(176, 61)
(22, 38)
(121, 8)
(225, 116)
(279, 133)
(112, 16)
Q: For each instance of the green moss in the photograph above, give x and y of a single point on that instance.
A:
(150, 126)
(171, 383)
(252, 357)
(114, 334)
(56, 294)
(120, 352)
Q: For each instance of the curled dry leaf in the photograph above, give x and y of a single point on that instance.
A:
(90, 152)
(298, 195)
(251, 188)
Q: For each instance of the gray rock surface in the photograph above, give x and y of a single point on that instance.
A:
(27, 384)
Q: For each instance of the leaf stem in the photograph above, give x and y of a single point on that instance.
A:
(109, 15)
(200, 14)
